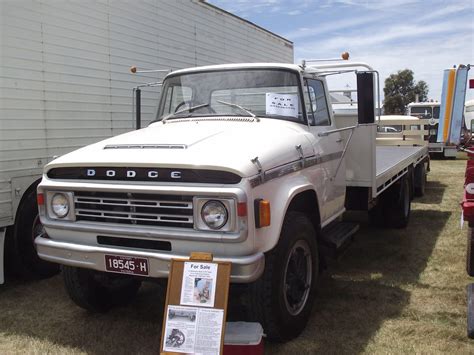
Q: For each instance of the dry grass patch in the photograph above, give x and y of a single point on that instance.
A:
(394, 291)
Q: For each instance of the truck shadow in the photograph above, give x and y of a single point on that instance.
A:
(367, 286)
(437, 188)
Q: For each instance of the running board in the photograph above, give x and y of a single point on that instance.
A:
(337, 236)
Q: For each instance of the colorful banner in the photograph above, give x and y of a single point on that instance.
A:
(458, 105)
(445, 108)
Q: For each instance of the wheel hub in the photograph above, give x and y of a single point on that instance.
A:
(298, 277)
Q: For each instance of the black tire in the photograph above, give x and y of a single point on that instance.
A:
(470, 252)
(376, 214)
(470, 311)
(420, 179)
(22, 258)
(98, 292)
(398, 206)
(281, 300)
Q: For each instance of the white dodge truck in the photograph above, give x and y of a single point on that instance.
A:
(245, 161)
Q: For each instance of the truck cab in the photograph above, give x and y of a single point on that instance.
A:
(431, 110)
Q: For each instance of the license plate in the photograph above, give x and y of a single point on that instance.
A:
(126, 265)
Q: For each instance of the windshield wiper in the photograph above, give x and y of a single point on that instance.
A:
(186, 109)
(250, 113)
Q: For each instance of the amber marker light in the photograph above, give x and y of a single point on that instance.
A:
(133, 69)
(262, 213)
(40, 199)
(345, 55)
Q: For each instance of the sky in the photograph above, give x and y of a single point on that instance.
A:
(390, 35)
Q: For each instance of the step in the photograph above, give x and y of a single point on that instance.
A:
(337, 236)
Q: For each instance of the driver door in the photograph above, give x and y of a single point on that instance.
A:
(329, 180)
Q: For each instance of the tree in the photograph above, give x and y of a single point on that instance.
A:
(401, 89)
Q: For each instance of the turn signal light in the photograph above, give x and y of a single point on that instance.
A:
(40, 199)
(242, 209)
(262, 213)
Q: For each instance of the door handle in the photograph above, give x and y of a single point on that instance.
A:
(339, 140)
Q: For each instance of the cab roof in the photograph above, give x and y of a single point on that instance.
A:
(423, 104)
(219, 67)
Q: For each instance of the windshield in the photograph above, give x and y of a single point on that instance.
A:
(247, 93)
(425, 112)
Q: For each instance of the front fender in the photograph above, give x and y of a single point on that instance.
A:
(280, 193)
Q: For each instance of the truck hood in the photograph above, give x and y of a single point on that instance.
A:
(226, 144)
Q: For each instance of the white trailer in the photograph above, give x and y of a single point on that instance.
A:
(64, 83)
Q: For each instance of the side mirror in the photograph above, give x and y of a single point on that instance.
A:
(365, 97)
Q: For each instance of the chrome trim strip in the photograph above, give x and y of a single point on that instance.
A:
(292, 167)
(146, 146)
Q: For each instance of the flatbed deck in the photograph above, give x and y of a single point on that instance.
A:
(393, 161)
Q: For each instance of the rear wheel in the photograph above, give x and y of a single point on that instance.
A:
(23, 259)
(283, 297)
(98, 291)
(398, 204)
(420, 179)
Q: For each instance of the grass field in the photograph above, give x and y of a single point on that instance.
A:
(394, 291)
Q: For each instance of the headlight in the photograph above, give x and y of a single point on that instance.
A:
(60, 205)
(214, 214)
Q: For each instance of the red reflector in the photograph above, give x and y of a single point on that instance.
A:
(40, 199)
(242, 209)
(471, 83)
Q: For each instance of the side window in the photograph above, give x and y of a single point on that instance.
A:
(309, 98)
(318, 113)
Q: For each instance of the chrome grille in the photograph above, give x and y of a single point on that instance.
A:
(134, 209)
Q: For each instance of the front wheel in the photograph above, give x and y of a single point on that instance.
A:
(283, 296)
(98, 291)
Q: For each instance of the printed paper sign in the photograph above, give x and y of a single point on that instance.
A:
(199, 284)
(193, 330)
(281, 104)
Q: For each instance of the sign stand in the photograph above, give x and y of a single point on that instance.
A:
(195, 306)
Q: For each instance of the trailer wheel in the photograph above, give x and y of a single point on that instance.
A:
(23, 259)
(420, 179)
(470, 311)
(281, 300)
(470, 252)
(398, 205)
(98, 292)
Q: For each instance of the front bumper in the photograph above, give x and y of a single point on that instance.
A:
(245, 269)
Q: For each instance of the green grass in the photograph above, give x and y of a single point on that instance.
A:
(394, 291)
